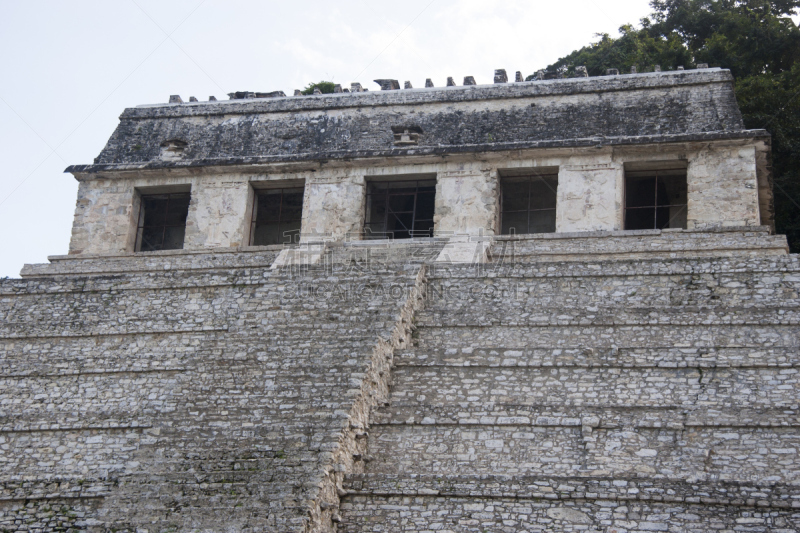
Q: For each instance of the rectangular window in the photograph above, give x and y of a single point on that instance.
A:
(528, 204)
(162, 221)
(400, 209)
(277, 216)
(655, 199)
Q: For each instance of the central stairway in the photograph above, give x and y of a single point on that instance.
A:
(613, 395)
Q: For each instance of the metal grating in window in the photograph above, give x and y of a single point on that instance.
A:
(277, 216)
(162, 222)
(528, 204)
(400, 209)
(655, 199)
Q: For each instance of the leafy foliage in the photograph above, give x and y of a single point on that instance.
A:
(756, 39)
(325, 87)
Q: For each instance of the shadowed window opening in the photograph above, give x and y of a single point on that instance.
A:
(655, 199)
(162, 222)
(400, 209)
(277, 216)
(528, 204)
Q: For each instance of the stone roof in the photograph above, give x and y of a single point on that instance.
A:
(620, 109)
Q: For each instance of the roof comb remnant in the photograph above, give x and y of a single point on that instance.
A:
(388, 85)
(469, 80)
(500, 76)
(175, 99)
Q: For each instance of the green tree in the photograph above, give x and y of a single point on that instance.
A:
(641, 48)
(756, 39)
(325, 87)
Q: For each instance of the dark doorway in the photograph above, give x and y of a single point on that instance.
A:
(277, 216)
(162, 222)
(528, 204)
(400, 209)
(655, 199)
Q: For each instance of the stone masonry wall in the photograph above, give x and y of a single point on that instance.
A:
(722, 182)
(626, 395)
(474, 119)
(214, 399)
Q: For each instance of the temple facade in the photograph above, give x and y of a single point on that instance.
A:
(556, 305)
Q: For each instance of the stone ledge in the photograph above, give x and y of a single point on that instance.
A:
(439, 150)
(673, 417)
(570, 86)
(667, 233)
(732, 493)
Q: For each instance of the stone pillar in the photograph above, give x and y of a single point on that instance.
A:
(333, 208)
(590, 197)
(722, 188)
(104, 220)
(217, 213)
(466, 202)
(466, 211)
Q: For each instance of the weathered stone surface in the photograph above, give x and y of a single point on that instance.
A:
(212, 407)
(590, 197)
(591, 379)
(515, 411)
(568, 112)
(500, 76)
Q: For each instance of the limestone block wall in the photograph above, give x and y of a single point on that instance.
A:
(333, 207)
(723, 187)
(627, 395)
(104, 218)
(220, 398)
(467, 201)
(218, 213)
(590, 197)
(722, 180)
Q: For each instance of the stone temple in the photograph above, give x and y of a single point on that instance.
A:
(556, 305)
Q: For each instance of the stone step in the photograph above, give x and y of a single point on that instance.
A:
(608, 316)
(187, 323)
(767, 455)
(159, 262)
(81, 452)
(527, 295)
(97, 398)
(144, 352)
(593, 415)
(709, 268)
(494, 504)
(634, 244)
(374, 252)
(586, 356)
(612, 386)
(606, 337)
(263, 281)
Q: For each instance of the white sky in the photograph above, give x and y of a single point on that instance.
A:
(70, 68)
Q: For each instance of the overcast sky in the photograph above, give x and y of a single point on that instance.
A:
(70, 68)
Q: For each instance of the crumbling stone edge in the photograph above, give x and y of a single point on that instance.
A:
(349, 454)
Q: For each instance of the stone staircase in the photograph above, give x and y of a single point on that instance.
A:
(615, 382)
(193, 400)
(609, 394)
